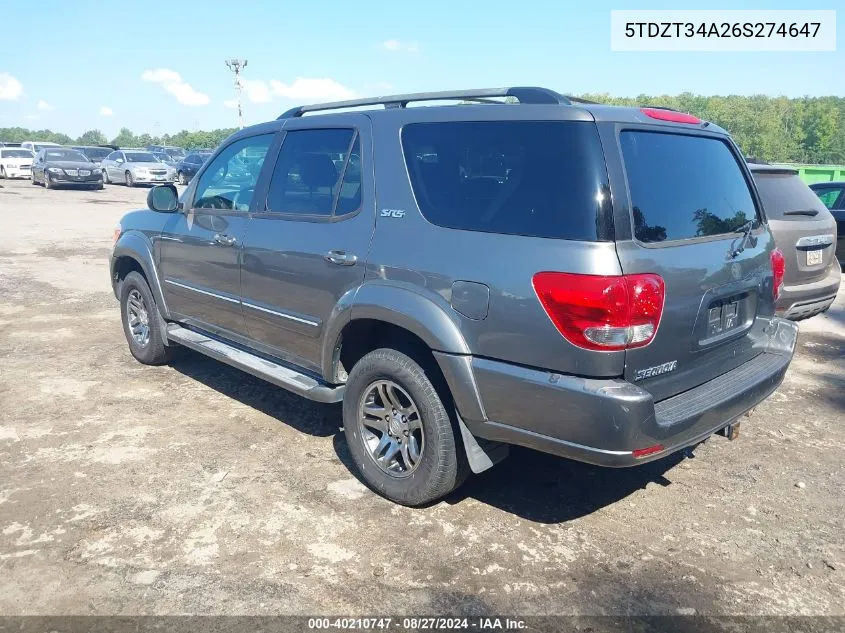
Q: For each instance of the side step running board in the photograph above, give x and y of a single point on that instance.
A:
(279, 375)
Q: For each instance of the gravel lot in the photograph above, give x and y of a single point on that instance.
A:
(194, 488)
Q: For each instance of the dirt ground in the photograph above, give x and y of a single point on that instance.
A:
(194, 488)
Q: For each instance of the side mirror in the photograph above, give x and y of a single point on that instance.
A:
(163, 199)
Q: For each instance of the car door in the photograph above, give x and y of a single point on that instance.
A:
(38, 167)
(307, 246)
(833, 197)
(201, 246)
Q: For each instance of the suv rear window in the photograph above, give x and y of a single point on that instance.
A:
(540, 179)
(785, 191)
(684, 186)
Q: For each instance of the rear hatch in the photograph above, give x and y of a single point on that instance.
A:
(688, 199)
(802, 226)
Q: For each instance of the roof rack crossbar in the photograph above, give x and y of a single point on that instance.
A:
(527, 95)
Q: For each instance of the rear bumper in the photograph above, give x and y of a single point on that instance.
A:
(604, 421)
(799, 301)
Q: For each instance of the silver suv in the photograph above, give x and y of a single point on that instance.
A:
(591, 281)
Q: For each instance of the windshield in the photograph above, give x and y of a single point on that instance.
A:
(141, 157)
(175, 151)
(39, 146)
(96, 153)
(165, 158)
(15, 153)
(784, 192)
(66, 154)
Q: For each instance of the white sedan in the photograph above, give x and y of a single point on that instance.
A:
(15, 162)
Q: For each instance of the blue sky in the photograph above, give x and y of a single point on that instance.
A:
(70, 67)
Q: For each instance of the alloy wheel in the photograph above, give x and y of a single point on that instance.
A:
(391, 428)
(138, 318)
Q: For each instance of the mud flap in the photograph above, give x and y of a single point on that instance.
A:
(481, 454)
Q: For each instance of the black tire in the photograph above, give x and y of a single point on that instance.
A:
(2, 173)
(48, 184)
(154, 351)
(97, 187)
(130, 181)
(106, 180)
(181, 177)
(32, 180)
(442, 465)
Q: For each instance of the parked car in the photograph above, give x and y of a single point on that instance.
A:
(177, 153)
(188, 166)
(95, 154)
(62, 166)
(135, 167)
(9, 144)
(36, 146)
(494, 293)
(805, 232)
(832, 195)
(15, 162)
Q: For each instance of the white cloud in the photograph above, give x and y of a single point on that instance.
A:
(10, 88)
(106, 111)
(43, 105)
(398, 46)
(256, 90)
(172, 82)
(303, 89)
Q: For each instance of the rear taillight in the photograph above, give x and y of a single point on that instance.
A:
(670, 115)
(602, 312)
(778, 271)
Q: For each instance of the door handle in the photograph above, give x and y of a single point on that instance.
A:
(341, 258)
(224, 240)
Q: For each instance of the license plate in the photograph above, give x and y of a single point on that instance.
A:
(814, 258)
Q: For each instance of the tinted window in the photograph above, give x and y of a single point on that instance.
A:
(782, 192)
(65, 154)
(140, 157)
(95, 153)
(542, 179)
(229, 181)
(684, 186)
(15, 153)
(308, 173)
(828, 195)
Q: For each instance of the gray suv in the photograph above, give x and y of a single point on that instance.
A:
(591, 281)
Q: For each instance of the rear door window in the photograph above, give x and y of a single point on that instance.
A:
(785, 196)
(684, 186)
(534, 178)
(318, 173)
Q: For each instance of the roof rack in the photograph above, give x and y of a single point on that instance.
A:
(529, 95)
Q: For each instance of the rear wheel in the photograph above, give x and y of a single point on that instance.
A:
(141, 322)
(130, 181)
(400, 434)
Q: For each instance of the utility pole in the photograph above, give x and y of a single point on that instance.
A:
(236, 65)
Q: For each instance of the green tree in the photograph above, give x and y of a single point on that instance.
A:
(124, 138)
(92, 137)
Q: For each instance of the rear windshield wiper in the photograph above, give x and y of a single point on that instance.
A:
(745, 229)
(808, 212)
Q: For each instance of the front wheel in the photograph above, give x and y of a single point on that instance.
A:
(106, 180)
(181, 178)
(2, 173)
(48, 182)
(400, 434)
(130, 181)
(141, 322)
